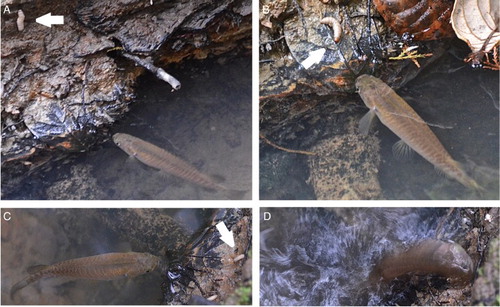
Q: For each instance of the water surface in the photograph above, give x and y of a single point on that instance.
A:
(460, 104)
(323, 256)
(47, 236)
(206, 123)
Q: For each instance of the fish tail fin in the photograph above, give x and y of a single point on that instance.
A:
(471, 183)
(468, 181)
(23, 283)
(28, 280)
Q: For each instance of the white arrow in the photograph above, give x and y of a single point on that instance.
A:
(48, 20)
(225, 234)
(313, 58)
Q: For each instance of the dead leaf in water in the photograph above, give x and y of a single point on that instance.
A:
(475, 22)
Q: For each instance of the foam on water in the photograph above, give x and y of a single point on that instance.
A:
(323, 256)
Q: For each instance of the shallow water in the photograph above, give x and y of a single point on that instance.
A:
(449, 94)
(206, 123)
(323, 256)
(47, 236)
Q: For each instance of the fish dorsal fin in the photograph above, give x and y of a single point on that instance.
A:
(421, 121)
(36, 268)
(401, 150)
(366, 122)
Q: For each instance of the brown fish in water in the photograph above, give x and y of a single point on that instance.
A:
(161, 159)
(100, 267)
(398, 116)
(446, 259)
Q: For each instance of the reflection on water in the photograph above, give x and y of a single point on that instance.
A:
(448, 94)
(47, 236)
(206, 123)
(323, 256)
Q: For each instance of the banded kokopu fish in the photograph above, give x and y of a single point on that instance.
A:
(161, 159)
(398, 116)
(100, 267)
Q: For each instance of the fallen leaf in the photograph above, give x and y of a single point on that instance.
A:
(476, 23)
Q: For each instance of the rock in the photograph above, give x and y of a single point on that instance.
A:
(346, 167)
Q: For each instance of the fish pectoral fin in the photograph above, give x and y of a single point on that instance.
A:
(36, 268)
(131, 159)
(366, 122)
(401, 150)
(440, 172)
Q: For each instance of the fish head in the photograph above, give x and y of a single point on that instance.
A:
(125, 142)
(118, 138)
(149, 262)
(368, 87)
(458, 262)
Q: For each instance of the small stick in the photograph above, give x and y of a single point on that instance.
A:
(302, 152)
(20, 20)
(299, 10)
(159, 72)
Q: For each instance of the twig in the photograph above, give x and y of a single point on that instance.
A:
(302, 152)
(159, 72)
(411, 54)
(301, 16)
(273, 40)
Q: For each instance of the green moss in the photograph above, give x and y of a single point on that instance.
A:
(245, 294)
(480, 271)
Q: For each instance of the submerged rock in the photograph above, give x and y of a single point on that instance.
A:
(346, 167)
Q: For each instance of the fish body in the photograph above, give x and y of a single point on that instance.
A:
(161, 159)
(446, 259)
(100, 267)
(398, 116)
